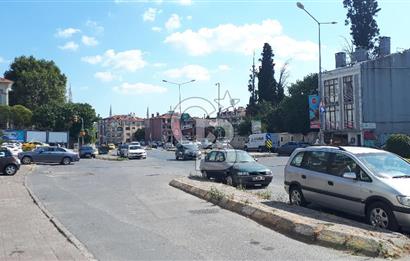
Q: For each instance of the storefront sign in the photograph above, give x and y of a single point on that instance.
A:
(368, 125)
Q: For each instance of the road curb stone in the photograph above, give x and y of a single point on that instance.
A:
(341, 236)
(58, 225)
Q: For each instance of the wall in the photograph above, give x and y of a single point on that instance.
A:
(386, 93)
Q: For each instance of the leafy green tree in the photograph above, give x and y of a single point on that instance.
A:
(295, 107)
(20, 117)
(399, 144)
(36, 82)
(4, 116)
(268, 88)
(363, 26)
(139, 135)
(245, 128)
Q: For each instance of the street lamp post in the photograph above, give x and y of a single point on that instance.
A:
(179, 89)
(219, 98)
(320, 86)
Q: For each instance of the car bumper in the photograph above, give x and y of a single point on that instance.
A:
(403, 218)
(137, 156)
(261, 180)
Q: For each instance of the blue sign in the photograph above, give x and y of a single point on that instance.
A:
(14, 135)
(268, 136)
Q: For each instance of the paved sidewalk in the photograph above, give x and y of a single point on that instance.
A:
(25, 232)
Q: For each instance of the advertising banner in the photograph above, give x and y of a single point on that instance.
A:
(14, 135)
(314, 112)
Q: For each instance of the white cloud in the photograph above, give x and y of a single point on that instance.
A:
(224, 67)
(95, 27)
(191, 72)
(104, 76)
(159, 65)
(150, 14)
(185, 2)
(70, 46)
(139, 88)
(92, 59)
(189, 17)
(130, 60)
(243, 39)
(89, 41)
(2, 60)
(156, 29)
(66, 33)
(174, 22)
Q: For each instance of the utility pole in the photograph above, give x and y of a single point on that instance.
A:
(219, 98)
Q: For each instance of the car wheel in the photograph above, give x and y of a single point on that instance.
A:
(66, 161)
(10, 169)
(26, 160)
(296, 196)
(380, 215)
(229, 181)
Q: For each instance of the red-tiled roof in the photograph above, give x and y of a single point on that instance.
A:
(124, 118)
(5, 80)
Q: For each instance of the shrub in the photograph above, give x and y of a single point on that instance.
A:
(399, 144)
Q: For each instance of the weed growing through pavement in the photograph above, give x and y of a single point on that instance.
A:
(266, 194)
(240, 187)
(216, 194)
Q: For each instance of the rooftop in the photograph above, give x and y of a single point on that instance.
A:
(3, 80)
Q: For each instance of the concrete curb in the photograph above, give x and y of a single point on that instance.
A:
(111, 158)
(57, 224)
(328, 234)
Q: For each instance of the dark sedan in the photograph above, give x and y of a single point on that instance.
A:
(288, 148)
(87, 152)
(235, 167)
(49, 155)
(187, 151)
(9, 165)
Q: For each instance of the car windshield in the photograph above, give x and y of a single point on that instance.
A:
(386, 165)
(191, 147)
(134, 147)
(238, 156)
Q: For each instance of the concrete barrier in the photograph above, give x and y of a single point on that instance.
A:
(298, 223)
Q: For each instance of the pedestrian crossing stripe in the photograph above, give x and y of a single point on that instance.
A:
(269, 144)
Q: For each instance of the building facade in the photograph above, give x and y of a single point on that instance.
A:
(367, 102)
(5, 88)
(158, 128)
(119, 129)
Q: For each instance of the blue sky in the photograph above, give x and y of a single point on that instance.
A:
(118, 52)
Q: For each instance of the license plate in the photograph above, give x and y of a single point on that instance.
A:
(258, 178)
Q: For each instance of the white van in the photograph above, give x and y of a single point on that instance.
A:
(257, 142)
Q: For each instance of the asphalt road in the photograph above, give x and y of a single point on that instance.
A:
(127, 211)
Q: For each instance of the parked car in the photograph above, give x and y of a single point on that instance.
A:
(87, 152)
(14, 149)
(135, 152)
(222, 144)
(103, 150)
(111, 146)
(235, 167)
(205, 144)
(122, 150)
(28, 146)
(169, 146)
(9, 165)
(49, 154)
(288, 148)
(187, 151)
(361, 181)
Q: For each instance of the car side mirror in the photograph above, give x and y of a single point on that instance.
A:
(350, 175)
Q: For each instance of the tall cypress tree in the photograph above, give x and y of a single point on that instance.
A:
(268, 89)
(363, 26)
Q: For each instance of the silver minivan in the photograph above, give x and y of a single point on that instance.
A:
(361, 181)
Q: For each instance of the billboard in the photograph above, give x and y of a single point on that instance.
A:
(14, 135)
(40, 136)
(314, 118)
(58, 137)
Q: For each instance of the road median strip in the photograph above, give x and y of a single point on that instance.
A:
(303, 224)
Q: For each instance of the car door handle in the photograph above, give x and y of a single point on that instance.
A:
(303, 176)
(330, 183)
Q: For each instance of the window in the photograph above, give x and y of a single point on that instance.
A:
(348, 102)
(212, 156)
(316, 161)
(331, 100)
(63, 150)
(220, 157)
(341, 164)
(127, 128)
(297, 160)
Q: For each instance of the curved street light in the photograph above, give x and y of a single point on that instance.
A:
(179, 89)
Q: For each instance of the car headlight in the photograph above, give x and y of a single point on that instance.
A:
(404, 200)
(269, 172)
(243, 173)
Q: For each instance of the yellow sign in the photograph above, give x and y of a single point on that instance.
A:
(269, 144)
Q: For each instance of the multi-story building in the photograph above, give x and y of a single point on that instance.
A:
(159, 127)
(235, 117)
(367, 101)
(5, 88)
(119, 128)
